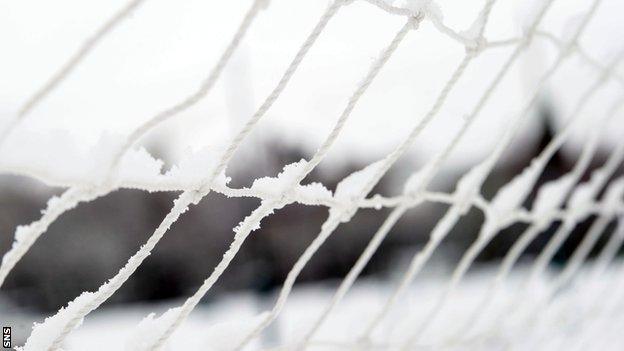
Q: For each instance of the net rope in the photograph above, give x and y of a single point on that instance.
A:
(567, 200)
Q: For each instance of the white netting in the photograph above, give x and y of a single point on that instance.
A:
(566, 200)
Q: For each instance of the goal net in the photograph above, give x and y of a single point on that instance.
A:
(510, 306)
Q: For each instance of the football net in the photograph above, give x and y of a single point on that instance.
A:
(531, 313)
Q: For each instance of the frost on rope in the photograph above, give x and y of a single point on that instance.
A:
(552, 194)
(584, 193)
(47, 332)
(507, 199)
(44, 334)
(276, 187)
(512, 194)
(350, 188)
(418, 180)
(25, 233)
(139, 169)
(469, 185)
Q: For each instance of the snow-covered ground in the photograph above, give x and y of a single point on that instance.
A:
(584, 316)
(165, 49)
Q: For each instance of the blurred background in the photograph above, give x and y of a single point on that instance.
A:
(161, 54)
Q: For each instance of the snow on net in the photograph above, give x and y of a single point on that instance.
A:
(115, 163)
